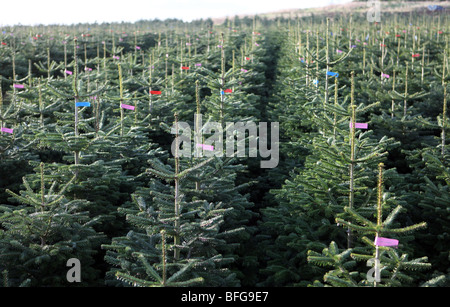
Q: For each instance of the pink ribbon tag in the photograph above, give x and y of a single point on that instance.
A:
(19, 86)
(125, 106)
(359, 125)
(206, 147)
(380, 241)
(7, 130)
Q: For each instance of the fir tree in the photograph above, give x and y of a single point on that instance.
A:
(389, 267)
(193, 224)
(46, 230)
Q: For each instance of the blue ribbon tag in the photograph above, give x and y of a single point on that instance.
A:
(83, 104)
(333, 74)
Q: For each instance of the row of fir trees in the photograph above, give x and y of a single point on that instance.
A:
(92, 163)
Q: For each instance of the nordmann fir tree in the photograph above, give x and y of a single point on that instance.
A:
(431, 192)
(336, 174)
(191, 223)
(95, 145)
(228, 104)
(39, 236)
(14, 153)
(390, 267)
(218, 183)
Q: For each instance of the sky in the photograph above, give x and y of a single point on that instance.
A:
(35, 12)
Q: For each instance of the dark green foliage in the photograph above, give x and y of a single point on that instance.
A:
(43, 233)
(115, 195)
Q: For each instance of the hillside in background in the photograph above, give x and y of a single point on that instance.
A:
(347, 8)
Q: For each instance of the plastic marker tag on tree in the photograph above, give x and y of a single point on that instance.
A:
(416, 55)
(128, 107)
(83, 104)
(198, 64)
(206, 147)
(228, 90)
(184, 67)
(333, 74)
(7, 130)
(359, 125)
(155, 92)
(385, 75)
(68, 72)
(380, 241)
(19, 86)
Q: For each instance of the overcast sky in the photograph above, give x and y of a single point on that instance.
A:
(33, 12)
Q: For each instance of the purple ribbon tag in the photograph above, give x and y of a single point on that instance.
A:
(359, 125)
(380, 241)
(206, 147)
(125, 106)
(7, 130)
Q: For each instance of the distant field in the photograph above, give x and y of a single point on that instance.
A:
(353, 7)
